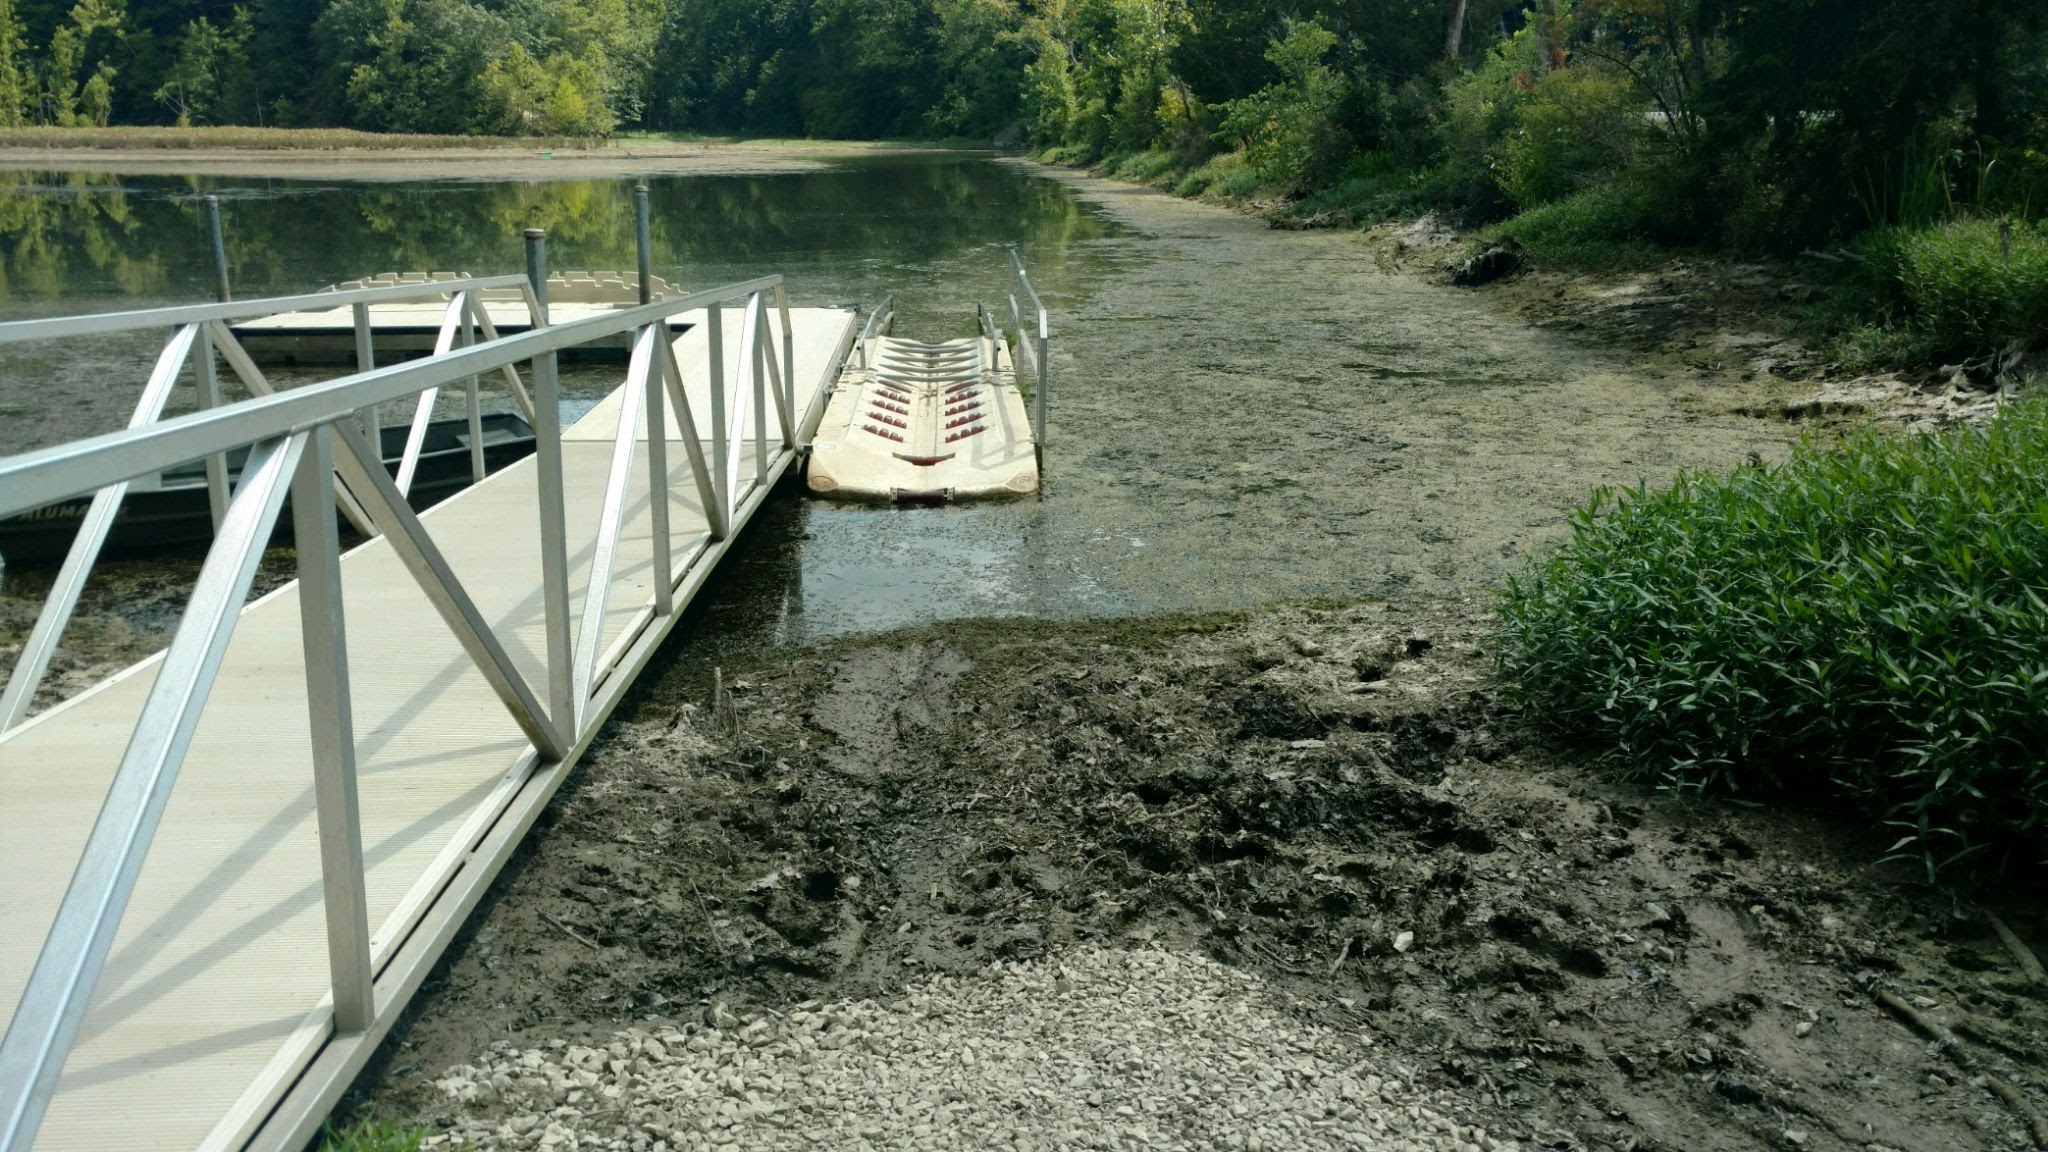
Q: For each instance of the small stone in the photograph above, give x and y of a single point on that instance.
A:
(1404, 941)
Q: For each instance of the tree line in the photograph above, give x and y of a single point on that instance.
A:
(1788, 116)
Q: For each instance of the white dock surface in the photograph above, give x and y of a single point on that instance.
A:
(212, 998)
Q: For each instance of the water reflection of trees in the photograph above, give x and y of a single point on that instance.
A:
(51, 225)
(146, 236)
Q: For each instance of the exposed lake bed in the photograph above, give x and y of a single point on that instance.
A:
(943, 756)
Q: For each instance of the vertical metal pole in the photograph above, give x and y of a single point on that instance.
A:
(796, 418)
(220, 248)
(366, 359)
(474, 403)
(323, 627)
(760, 354)
(554, 528)
(208, 381)
(721, 448)
(537, 268)
(1038, 390)
(657, 473)
(643, 232)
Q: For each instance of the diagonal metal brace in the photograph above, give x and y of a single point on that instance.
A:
(364, 473)
(74, 952)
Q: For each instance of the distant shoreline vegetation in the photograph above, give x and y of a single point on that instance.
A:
(1908, 138)
(192, 139)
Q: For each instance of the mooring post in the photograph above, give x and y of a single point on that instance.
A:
(204, 377)
(220, 248)
(644, 235)
(537, 267)
(554, 528)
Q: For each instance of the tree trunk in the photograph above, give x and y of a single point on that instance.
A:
(1454, 39)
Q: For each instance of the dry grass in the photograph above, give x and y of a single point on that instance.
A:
(293, 139)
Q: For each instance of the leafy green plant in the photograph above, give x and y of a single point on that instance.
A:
(1865, 621)
(1968, 286)
(1289, 130)
(1574, 128)
(1604, 227)
(1374, 187)
(372, 1136)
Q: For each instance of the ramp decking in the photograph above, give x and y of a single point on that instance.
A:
(209, 1027)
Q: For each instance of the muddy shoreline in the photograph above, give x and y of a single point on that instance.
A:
(1330, 796)
(1333, 798)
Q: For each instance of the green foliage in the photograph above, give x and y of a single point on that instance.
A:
(209, 70)
(1574, 127)
(1868, 621)
(1374, 187)
(372, 1136)
(982, 51)
(1965, 287)
(1288, 129)
(86, 36)
(1604, 227)
(525, 97)
(16, 85)
(1479, 115)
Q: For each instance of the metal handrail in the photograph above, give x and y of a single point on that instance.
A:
(1024, 307)
(881, 318)
(207, 336)
(991, 332)
(299, 441)
(33, 479)
(103, 323)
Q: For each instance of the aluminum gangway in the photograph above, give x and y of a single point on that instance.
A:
(225, 870)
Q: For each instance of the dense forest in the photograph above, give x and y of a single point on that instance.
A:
(1694, 120)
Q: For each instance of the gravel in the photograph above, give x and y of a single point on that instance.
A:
(1097, 1048)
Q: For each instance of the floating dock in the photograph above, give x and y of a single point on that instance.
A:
(921, 422)
(406, 329)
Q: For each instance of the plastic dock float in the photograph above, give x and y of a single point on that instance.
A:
(406, 329)
(921, 422)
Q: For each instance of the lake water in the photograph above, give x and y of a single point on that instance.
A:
(1239, 416)
(931, 230)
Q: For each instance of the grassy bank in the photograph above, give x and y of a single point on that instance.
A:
(1950, 287)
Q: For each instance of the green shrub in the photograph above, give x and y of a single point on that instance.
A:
(1576, 126)
(1967, 286)
(1609, 226)
(1146, 167)
(1373, 187)
(1289, 130)
(1224, 176)
(1866, 621)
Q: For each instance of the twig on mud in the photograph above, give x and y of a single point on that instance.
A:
(1342, 955)
(573, 934)
(723, 951)
(1273, 958)
(1945, 1040)
(2029, 963)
